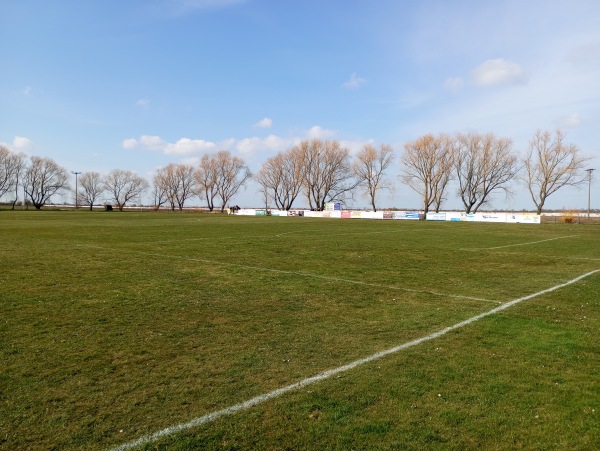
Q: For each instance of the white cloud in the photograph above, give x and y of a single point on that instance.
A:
(318, 132)
(144, 103)
(130, 143)
(27, 90)
(454, 84)
(21, 143)
(186, 146)
(356, 145)
(153, 142)
(355, 82)
(189, 148)
(270, 143)
(498, 72)
(18, 144)
(265, 122)
(227, 143)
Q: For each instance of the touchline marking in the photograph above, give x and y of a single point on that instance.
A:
(329, 373)
(518, 244)
(298, 273)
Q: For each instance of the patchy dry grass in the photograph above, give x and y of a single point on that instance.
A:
(116, 325)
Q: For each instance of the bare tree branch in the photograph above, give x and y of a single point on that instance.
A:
(176, 183)
(484, 164)
(369, 168)
(43, 178)
(124, 186)
(207, 175)
(92, 187)
(551, 164)
(280, 178)
(12, 166)
(232, 174)
(427, 168)
(327, 172)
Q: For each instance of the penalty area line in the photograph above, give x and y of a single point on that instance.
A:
(298, 273)
(150, 438)
(517, 244)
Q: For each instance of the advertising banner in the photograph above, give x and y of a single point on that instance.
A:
(435, 216)
(410, 215)
(524, 218)
(313, 214)
(371, 214)
(490, 217)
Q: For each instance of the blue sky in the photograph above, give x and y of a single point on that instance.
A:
(99, 85)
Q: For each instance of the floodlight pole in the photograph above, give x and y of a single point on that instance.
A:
(589, 171)
(76, 194)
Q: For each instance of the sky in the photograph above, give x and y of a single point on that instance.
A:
(99, 85)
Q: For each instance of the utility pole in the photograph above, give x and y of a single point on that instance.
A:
(589, 171)
(76, 194)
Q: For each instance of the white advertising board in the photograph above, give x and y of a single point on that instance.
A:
(523, 218)
(371, 214)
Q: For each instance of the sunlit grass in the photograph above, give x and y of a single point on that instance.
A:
(115, 325)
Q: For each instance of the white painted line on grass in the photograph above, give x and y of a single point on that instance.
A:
(146, 439)
(298, 273)
(518, 244)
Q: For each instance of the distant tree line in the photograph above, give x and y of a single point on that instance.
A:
(322, 171)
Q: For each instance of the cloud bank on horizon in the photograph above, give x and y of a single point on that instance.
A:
(138, 85)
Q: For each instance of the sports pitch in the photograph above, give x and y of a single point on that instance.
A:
(184, 331)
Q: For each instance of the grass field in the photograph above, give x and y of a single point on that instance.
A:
(118, 325)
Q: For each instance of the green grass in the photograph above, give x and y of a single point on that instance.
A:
(116, 325)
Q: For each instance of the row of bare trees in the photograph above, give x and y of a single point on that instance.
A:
(218, 177)
(40, 178)
(324, 171)
(483, 164)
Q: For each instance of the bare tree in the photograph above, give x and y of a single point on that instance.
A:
(369, 168)
(232, 174)
(551, 164)
(484, 163)
(159, 190)
(165, 182)
(11, 168)
(124, 186)
(7, 175)
(427, 168)
(20, 162)
(186, 184)
(280, 178)
(177, 182)
(327, 172)
(42, 179)
(207, 176)
(92, 187)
